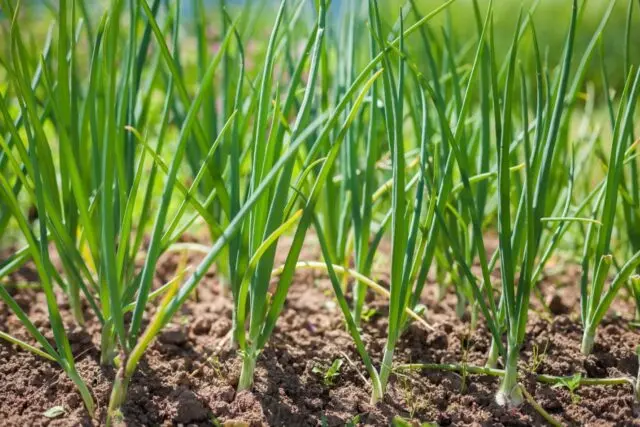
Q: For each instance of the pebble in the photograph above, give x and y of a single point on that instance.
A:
(173, 336)
(201, 326)
(556, 306)
(190, 409)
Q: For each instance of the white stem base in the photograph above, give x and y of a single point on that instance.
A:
(588, 339)
(246, 376)
(510, 394)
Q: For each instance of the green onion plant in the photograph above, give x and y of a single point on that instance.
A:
(116, 139)
(595, 299)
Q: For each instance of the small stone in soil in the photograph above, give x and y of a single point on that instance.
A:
(173, 336)
(556, 306)
(189, 408)
(201, 326)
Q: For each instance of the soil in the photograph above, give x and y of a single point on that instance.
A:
(189, 377)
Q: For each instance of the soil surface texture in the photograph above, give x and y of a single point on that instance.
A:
(189, 375)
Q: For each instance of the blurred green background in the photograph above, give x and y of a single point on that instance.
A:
(551, 19)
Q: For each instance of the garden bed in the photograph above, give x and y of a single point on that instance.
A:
(189, 375)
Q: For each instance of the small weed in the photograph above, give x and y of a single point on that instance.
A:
(368, 314)
(216, 365)
(414, 403)
(537, 357)
(398, 421)
(354, 421)
(329, 374)
(572, 385)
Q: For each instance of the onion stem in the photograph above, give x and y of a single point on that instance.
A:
(246, 375)
(493, 372)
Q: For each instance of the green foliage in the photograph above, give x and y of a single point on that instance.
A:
(329, 374)
(572, 385)
(120, 133)
(398, 421)
(354, 421)
(549, 18)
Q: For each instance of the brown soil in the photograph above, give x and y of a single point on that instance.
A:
(179, 382)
